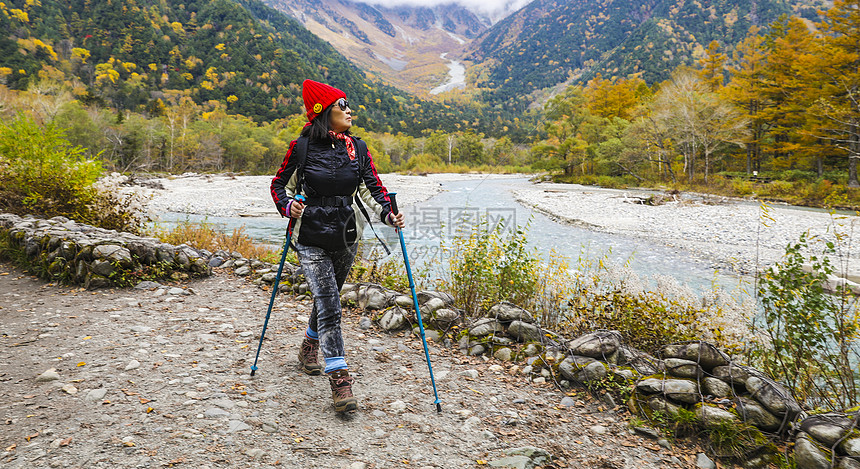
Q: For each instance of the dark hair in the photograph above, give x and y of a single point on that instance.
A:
(318, 130)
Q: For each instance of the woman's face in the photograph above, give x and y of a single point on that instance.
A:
(341, 116)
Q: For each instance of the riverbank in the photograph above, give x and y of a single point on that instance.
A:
(730, 234)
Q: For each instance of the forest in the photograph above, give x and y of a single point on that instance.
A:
(778, 117)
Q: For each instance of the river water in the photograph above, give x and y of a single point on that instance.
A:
(463, 201)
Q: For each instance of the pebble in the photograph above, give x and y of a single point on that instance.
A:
(471, 423)
(365, 323)
(539, 380)
(140, 329)
(237, 426)
(599, 429)
(704, 462)
(567, 401)
(95, 395)
(472, 374)
(378, 413)
(70, 389)
(519, 401)
(48, 375)
(246, 334)
(256, 453)
(398, 407)
(358, 465)
(496, 368)
(215, 412)
(270, 427)
(176, 291)
(132, 365)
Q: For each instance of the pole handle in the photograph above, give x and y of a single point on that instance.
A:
(393, 199)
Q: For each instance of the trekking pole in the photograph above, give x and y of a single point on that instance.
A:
(275, 289)
(391, 196)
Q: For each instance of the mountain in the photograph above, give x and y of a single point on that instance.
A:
(549, 42)
(132, 53)
(403, 45)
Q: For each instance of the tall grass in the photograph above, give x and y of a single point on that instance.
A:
(208, 236)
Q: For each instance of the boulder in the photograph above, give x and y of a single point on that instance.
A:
(600, 344)
(754, 414)
(113, 253)
(704, 354)
(444, 317)
(808, 454)
(734, 374)
(485, 327)
(716, 387)
(681, 390)
(775, 397)
(432, 305)
(712, 416)
(503, 354)
(393, 319)
(508, 312)
(424, 296)
(374, 297)
(643, 363)
(582, 369)
(827, 428)
(659, 403)
(682, 368)
(524, 332)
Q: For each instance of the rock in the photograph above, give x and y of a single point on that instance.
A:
(477, 350)
(215, 261)
(471, 374)
(826, 428)
(848, 463)
(113, 254)
(255, 453)
(425, 296)
(444, 317)
(96, 395)
(243, 271)
(711, 416)
(567, 401)
(48, 375)
(643, 363)
(471, 423)
(140, 329)
(374, 297)
(365, 323)
(102, 268)
(358, 465)
(808, 455)
(661, 404)
(600, 344)
(582, 369)
(269, 277)
(599, 429)
(682, 368)
(398, 407)
(432, 305)
(176, 291)
(132, 365)
(704, 354)
(775, 397)
(851, 446)
(147, 285)
(485, 327)
(704, 462)
(503, 354)
(734, 374)
(753, 413)
(237, 426)
(404, 301)
(716, 387)
(509, 312)
(531, 350)
(514, 462)
(70, 389)
(680, 390)
(524, 332)
(215, 412)
(393, 319)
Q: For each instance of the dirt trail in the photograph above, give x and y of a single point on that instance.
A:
(151, 378)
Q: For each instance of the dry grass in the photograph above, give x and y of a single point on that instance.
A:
(207, 236)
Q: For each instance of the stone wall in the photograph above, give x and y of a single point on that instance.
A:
(695, 376)
(64, 250)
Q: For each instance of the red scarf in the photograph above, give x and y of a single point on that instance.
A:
(350, 148)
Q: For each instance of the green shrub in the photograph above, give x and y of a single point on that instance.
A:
(813, 336)
(42, 174)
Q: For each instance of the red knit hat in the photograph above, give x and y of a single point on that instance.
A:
(319, 96)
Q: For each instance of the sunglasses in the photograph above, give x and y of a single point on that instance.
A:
(343, 104)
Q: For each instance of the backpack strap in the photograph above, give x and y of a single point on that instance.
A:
(363, 160)
(301, 152)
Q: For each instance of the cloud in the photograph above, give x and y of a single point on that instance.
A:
(488, 6)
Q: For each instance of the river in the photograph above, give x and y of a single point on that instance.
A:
(439, 216)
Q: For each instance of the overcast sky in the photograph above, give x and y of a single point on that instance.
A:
(485, 5)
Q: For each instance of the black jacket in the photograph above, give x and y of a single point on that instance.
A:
(330, 182)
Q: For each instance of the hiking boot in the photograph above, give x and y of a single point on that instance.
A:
(341, 391)
(308, 357)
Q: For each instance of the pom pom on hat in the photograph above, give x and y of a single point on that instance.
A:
(318, 96)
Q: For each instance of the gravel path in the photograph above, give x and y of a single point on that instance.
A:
(160, 378)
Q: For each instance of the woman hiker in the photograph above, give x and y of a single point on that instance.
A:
(335, 173)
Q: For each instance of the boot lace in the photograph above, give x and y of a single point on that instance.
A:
(342, 386)
(309, 351)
